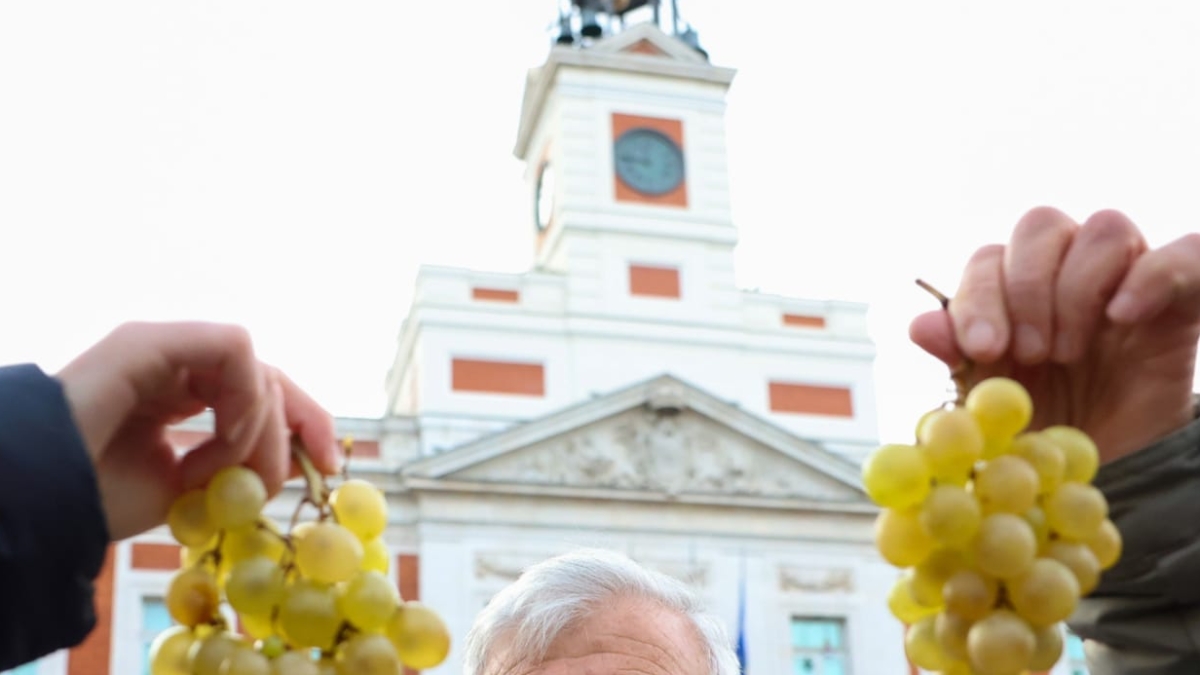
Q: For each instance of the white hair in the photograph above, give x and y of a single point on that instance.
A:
(528, 615)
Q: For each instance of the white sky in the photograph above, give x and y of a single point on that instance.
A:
(288, 165)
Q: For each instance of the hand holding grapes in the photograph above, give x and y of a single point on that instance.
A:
(131, 386)
(1100, 329)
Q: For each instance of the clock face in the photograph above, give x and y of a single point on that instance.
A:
(543, 205)
(648, 161)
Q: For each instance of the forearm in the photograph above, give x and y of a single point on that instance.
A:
(53, 534)
(1145, 615)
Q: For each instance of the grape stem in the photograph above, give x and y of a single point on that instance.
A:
(318, 492)
(961, 373)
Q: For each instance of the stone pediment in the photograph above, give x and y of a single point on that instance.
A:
(662, 438)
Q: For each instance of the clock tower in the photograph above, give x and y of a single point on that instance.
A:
(623, 142)
(622, 134)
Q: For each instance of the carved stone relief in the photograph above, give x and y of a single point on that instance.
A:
(672, 454)
(793, 579)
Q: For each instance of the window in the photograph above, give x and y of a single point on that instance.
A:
(155, 619)
(819, 647)
(1076, 661)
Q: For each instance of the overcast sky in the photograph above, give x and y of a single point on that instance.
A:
(288, 165)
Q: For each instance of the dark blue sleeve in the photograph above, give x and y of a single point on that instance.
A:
(53, 535)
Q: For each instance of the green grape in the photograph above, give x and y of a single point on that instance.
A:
(189, 521)
(952, 443)
(1044, 594)
(970, 595)
(951, 632)
(1046, 458)
(896, 476)
(368, 654)
(1106, 544)
(360, 507)
(1000, 644)
(245, 661)
(328, 553)
(209, 654)
(904, 606)
(257, 627)
(368, 600)
(1007, 483)
(1080, 560)
(255, 586)
(376, 556)
(900, 538)
(308, 615)
(926, 580)
(262, 538)
(169, 651)
(192, 596)
(1001, 406)
(235, 497)
(1079, 451)
(950, 515)
(272, 647)
(1036, 518)
(419, 636)
(1076, 511)
(1005, 546)
(190, 556)
(922, 646)
(294, 663)
(1047, 648)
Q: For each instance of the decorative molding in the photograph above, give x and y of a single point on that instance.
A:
(796, 579)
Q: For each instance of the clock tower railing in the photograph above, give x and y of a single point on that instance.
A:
(582, 21)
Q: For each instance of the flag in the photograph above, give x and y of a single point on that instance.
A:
(741, 629)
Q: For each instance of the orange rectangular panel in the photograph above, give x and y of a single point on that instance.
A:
(495, 294)
(673, 130)
(408, 571)
(803, 320)
(155, 557)
(368, 449)
(498, 377)
(789, 397)
(661, 282)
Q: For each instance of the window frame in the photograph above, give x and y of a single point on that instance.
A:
(844, 622)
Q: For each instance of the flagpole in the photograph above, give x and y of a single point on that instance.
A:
(741, 635)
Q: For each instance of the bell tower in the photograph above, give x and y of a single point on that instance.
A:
(622, 134)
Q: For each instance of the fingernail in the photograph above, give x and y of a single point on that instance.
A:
(235, 432)
(1030, 344)
(980, 337)
(1123, 307)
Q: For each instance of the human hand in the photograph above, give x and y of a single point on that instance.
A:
(1101, 330)
(126, 391)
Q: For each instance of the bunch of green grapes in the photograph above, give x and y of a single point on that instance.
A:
(997, 528)
(314, 601)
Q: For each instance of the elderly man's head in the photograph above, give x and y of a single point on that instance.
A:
(598, 613)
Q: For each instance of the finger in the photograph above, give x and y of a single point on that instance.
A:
(313, 424)
(934, 332)
(227, 353)
(1031, 264)
(271, 454)
(1098, 259)
(978, 310)
(1164, 280)
(198, 466)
